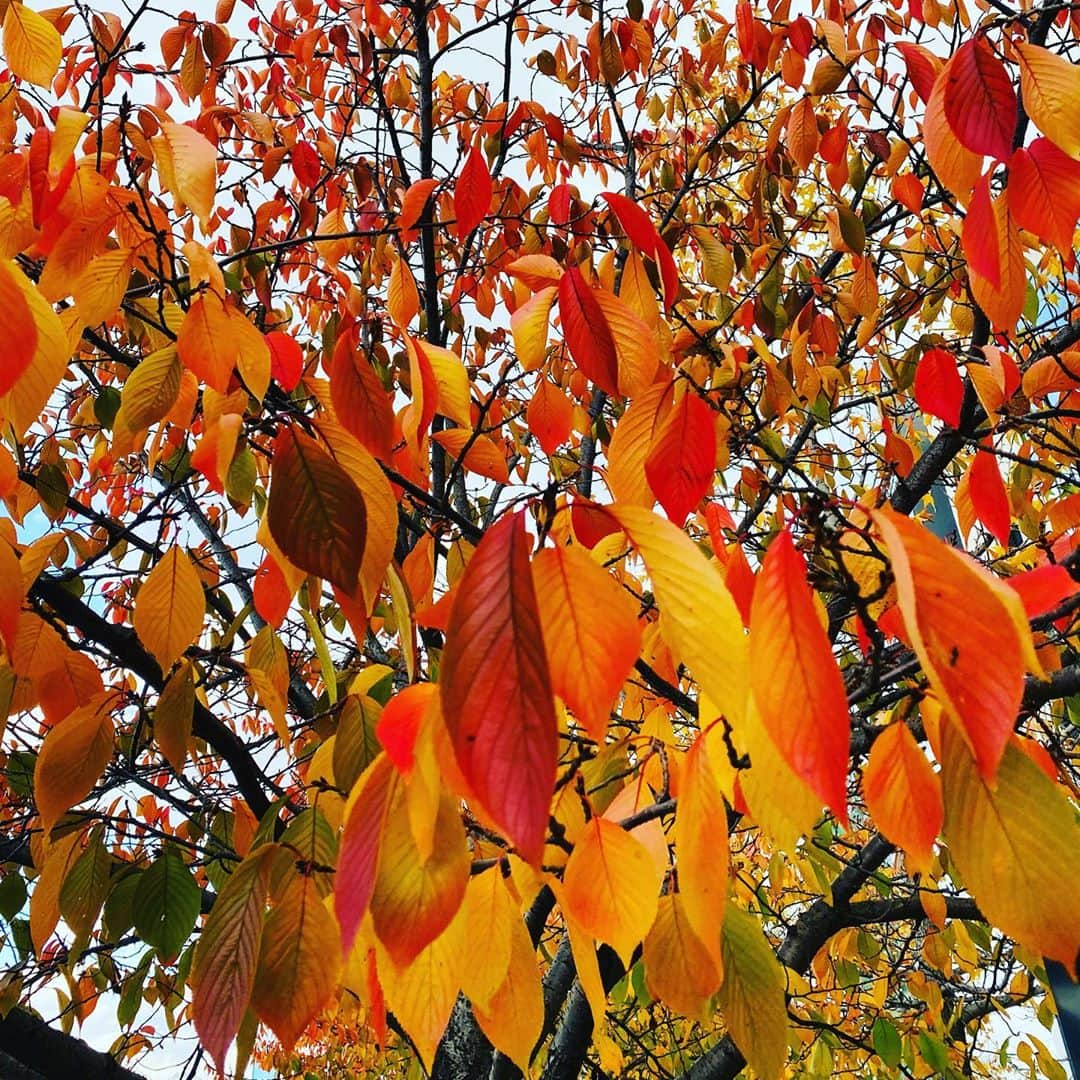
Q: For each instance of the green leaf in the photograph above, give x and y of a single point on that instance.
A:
(886, 1042)
(12, 895)
(86, 886)
(166, 905)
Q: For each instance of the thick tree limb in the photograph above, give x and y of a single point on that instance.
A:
(51, 1054)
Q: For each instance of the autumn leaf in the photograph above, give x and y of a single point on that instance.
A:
(586, 332)
(170, 607)
(682, 458)
(496, 688)
(73, 756)
(472, 193)
(316, 513)
(903, 793)
(980, 103)
(590, 630)
(1013, 842)
(223, 969)
(611, 885)
(299, 959)
(32, 45)
(1050, 87)
(968, 631)
(939, 390)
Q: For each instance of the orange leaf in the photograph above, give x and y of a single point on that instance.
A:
(1044, 193)
(611, 886)
(316, 513)
(591, 632)
(413, 202)
(679, 970)
(989, 497)
(1003, 302)
(20, 329)
(968, 630)
(791, 660)
(73, 756)
(496, 688)
(802, 133)
(1050, 86)
(402, 299)
(550, 416)
(701, 848)
(299, 960)
(360, 400)
(903, 793)
(477, 453)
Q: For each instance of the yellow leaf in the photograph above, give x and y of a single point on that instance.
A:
(421, 995)
(513, 1018)
(100, 288)
(1050, 86)
(752, 994)
(402, 299)
(23, 402)
(698, 618)
(1014, 844)
(701, 849)
(150, 391)
(719, 263)
(488, 913)
(630, 445)
(45, 899)
(299, 961)
(73, 756)
(452, 380)
(173, 713)
(679, 969)
(32, 45)
(169, 607)
(635, 343)
(187, 161)
(611, 886)
(529, 326)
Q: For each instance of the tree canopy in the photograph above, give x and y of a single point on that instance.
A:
(539, 538)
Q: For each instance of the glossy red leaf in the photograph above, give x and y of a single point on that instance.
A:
(980, 102)
(979, 235)
(587, 333)
(307, 166)
(1043, 589)
(939, 390)
(496, 689)
(286, 359)
(472, 193)
(989, 497)
(1044, 193)
(922, 67)
(682, 459)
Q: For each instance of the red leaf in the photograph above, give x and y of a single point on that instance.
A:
(496, 689)
(306, 164)
(939, 390)
(591, 523)
(559, 205)
(286, 359)
(1044, 193)
(791, 660)
(1043, 589)
(682, 458)
(20, 330)
(586, 331)
(636, 223)
(472, 193)
(922, 68)
(399, 724)
(980, 235)
(989, 497)
(980, 102)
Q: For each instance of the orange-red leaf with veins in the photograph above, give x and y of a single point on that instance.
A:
(939, 390)
(496, 688)
(586, 331)
(472, 193)
(797, 686)
(980, 102)
(682, 457)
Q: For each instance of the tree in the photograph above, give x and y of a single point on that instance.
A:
(540, 539)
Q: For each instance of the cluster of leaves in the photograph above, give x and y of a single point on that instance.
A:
(357, 692)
